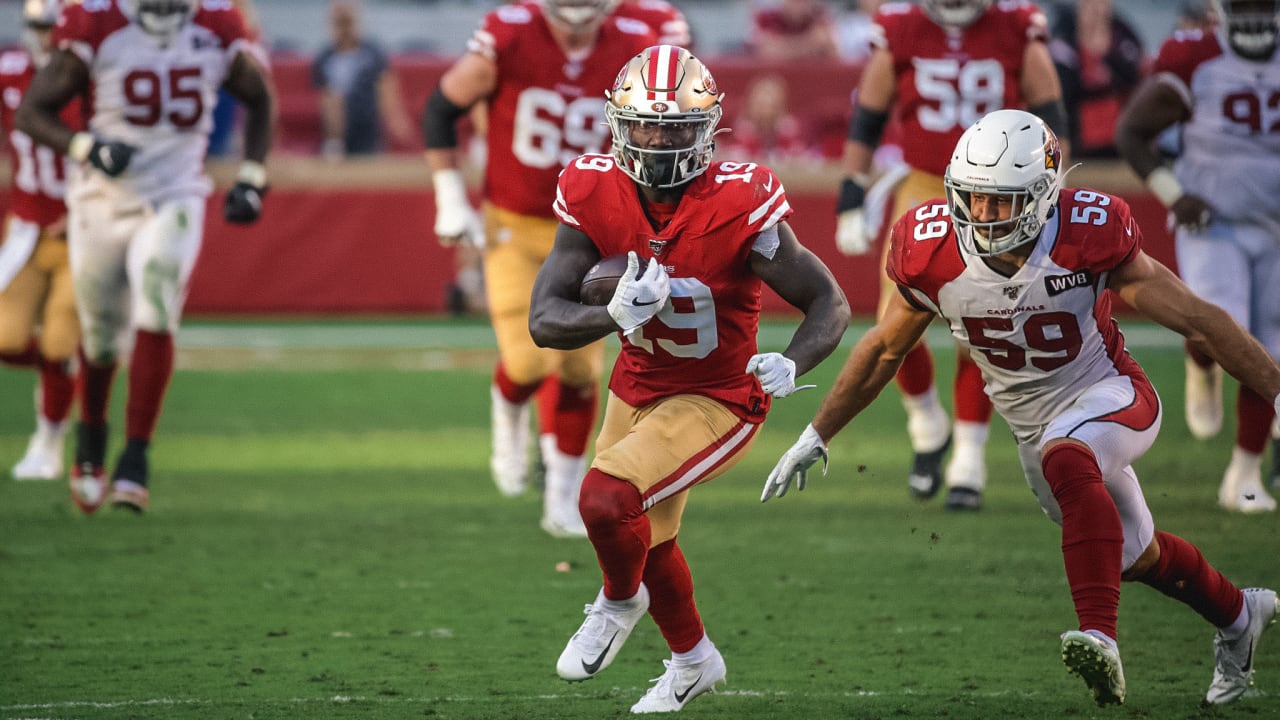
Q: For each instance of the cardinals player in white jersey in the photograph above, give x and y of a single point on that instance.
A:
(1224, 193)
(1024, 271)
(35, 276)
(539, 67)
(136, 205)
(690, 387)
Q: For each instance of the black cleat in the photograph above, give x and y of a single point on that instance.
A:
(963, 498)
(926, 472)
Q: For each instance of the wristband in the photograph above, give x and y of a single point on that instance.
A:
(80, 146)
(252, 173)
(1164, 185)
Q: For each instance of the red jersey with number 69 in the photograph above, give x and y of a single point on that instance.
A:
(701, 340)
(158, 98)
(548, 108)
(946, 81)
(39, 173)
(1044, 335)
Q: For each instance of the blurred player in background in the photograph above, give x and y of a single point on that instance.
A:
(1224, 195)
(689, 389)
(152, 69)
(939, 67)
(1023, 272)
(665, 19)
(38, 324)
(540, 67)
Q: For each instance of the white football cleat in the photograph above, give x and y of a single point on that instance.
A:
(563, 480)
(1233, 659)
(1204, 399)
(510, 459)
(43, 458)
(966, 475)
(682, 683)
(600, 637)
(1241, 490)
(929, 428)
(1097, 662)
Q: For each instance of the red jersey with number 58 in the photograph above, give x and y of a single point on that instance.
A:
(946, 81)
(1044, 335)
(548, 108)
(157, 98)
(39, 173)
(701, 340)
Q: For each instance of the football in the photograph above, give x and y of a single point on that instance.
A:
(601, 280)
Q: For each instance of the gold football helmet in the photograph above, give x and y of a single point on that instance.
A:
(663, 110)
(955, 13)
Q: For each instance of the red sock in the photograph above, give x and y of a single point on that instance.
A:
(548, 398)
(150, 370)
(1253, 421)
(57, 389)
(614, 515)
(1183, 574)
(666, 575)
(575, 417)
(28, 357)
(972, 403)
(514, 393)
(95, 390)
(1197, 357)
(1092, 536)
(915, 377)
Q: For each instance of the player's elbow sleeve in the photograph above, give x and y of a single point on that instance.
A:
(439, 121)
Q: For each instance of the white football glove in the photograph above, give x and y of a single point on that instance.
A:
(851, 232)
(636, 300)
(456, 221)
(777, 373)
(795, 463)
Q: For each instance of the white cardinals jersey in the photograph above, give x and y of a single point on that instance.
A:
(1233, 130)
(1045, 335)
(159, 99)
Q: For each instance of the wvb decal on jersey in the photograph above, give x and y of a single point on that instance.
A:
(1058, 284)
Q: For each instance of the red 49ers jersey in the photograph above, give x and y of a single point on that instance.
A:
(547, 108)
(702, 339)
(39, 173)
(947, 81)
(1044, 335)
(157, 98)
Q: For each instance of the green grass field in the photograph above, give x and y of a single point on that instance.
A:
(325, 542)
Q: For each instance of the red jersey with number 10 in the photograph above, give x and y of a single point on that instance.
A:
(700, 342)
(39, 173)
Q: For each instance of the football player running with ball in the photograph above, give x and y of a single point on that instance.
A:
(1024, 272)
(540, 68)
(152, 70)
(689, 389)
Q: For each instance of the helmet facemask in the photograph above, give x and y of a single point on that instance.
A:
(955, 14)
(1011, 154)
(38, 19)
(161, 19)
(663, 111)
(1251, 27)
(578, 15)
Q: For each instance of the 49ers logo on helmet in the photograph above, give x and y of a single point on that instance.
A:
(710, 83)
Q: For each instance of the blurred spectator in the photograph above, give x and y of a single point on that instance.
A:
(766, 131)
(1194, 15)
(853, 29)
(665, 19)
(794, 30)
(358, 90)
(1099, 59)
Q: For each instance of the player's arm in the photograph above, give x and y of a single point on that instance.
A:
(800, 278)
(1155, 107)
(872, 363)
(870, 116)
(1042, 91)
(1153, 290)
(556, 318)
(64, 77)
(247, 82)
(467, 82)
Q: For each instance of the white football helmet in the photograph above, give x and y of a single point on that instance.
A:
(161, 19)
(578, 15)
(1007, 152)
(38, 19)
(668, 96)
(1250, 26)
(955, 13)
